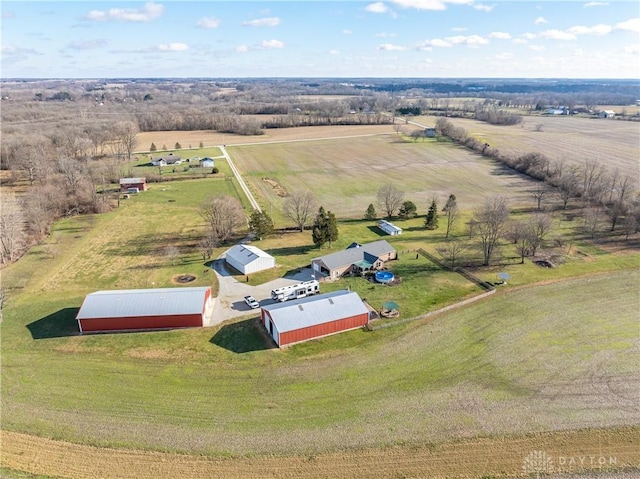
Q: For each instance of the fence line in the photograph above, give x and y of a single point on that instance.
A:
(489, 290)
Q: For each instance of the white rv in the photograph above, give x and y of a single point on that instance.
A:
(295, 291)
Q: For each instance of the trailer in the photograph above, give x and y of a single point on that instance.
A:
(295, 291)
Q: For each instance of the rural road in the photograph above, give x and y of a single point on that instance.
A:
(238, 176)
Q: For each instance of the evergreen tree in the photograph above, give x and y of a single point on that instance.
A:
(153, 147)
(431, 222)
(260, 224)
(320, 228)
(370, 214)
(332, 228)
(407, 210)
(178, 146)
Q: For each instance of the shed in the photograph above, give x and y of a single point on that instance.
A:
(430, 132)
(248, 259)
(389, 228)
(145, 309)
(314, 317)
(607, 114)
(206, 162)
(126, 184)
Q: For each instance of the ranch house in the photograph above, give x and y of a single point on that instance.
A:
(356, 259)
(166, 160)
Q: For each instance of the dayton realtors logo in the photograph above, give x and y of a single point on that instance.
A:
(538, 462)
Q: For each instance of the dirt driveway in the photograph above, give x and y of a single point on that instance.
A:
(230, 301)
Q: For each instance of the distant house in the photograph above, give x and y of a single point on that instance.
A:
(607, 114)
(207, 163)
(356, 258)
(430, 132)
(314, 317)
(556, 111)
(249, 259)
(389, 228)
(129, 184)
(165, 160)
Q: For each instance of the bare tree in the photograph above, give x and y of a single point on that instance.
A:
(390, 199)
(223, 215)
(126, 133)
(12, 236)
(538, 227)
(452, 213)
(593, 175)
(206, 248)
(539, 194)
(520, 235)
(568, 187)
(593, 220)
(451, 251)
(489, 222)
(299, 207)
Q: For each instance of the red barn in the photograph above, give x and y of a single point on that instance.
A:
(313, 317)
(145, 309)
(133, 184)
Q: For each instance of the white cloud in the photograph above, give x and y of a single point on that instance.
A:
(483, 8)
(150, 11)
(459, 29)
(500, 35)
(540, 20)
(436, 42)
(595, 4)
(385, 35)
(334, 52)
(377, 7)
(389, 47)
(537, 48)
(272, 44)
(504, 56)
(520, 41)
(87, 44)
(633, 25)
(208, 22)
(633, 49)
(595, 30)
(557, 35)
(429, 4)
(262, 22)
(12, 50)
(173, 47)
(467, 40)
(347, 32)
(7, 15)
(528, 36)
(242, 48)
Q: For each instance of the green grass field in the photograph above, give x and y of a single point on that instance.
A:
(559, 355)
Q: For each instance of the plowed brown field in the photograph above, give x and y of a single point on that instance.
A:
(573, 451)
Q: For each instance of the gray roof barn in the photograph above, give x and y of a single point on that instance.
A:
(143, 302)
(314, 310)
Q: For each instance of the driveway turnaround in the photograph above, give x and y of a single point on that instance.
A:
(230, 301)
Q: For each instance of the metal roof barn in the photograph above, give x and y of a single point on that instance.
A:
(314, 317)
(145, 309)
(248, 259)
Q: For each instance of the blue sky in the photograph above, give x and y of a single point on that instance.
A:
(395, 38)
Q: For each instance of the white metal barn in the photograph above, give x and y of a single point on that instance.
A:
(389, 228)
(248, 259)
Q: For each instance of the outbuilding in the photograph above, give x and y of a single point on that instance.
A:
(248, 259)
(206, 163)
(145, 309)
(389, 228)
(129, 184)
(314, 317)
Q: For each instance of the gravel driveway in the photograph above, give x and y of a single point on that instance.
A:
(230, 301)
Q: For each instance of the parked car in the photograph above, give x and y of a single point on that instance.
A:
(251, 302)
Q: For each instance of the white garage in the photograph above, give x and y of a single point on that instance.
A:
(248, 259)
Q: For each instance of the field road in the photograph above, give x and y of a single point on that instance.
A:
(568, 451)
(238, 176)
